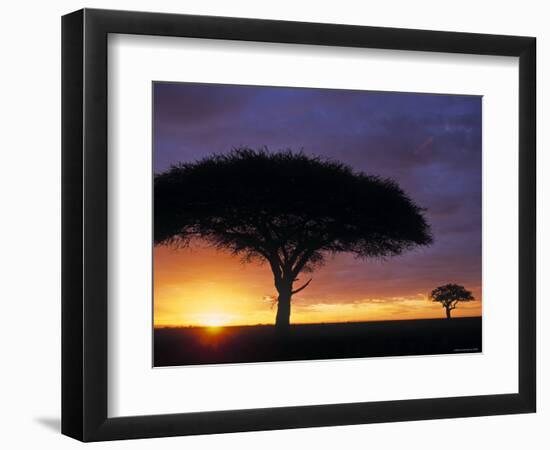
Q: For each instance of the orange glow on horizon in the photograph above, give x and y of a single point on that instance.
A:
(204, 287)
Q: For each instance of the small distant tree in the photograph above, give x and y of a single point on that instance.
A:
(288, 209)
(450, 295)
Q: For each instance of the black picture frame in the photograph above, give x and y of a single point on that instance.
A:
(84, 224)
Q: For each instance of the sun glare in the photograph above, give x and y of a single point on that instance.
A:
(215, 320)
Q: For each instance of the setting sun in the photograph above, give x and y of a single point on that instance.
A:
(215, 320)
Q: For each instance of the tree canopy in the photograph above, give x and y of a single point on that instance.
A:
(287, 208)
(450, 295)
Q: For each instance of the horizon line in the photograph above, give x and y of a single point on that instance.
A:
(315, 323)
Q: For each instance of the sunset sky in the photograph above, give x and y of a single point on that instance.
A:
(430, 144)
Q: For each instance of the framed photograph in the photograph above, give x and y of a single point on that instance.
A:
(273, 224)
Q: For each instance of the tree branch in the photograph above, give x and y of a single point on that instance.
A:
(302, 288)
(302, 262)
(276, 269)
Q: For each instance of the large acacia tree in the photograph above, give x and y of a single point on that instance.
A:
(288, 209)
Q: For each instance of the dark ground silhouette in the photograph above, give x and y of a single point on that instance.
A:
(261, 343)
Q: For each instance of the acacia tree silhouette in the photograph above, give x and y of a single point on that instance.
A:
(289, 209)
(450, 295)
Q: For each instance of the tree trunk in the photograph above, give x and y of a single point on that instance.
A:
(282, 321)
(448, 310)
